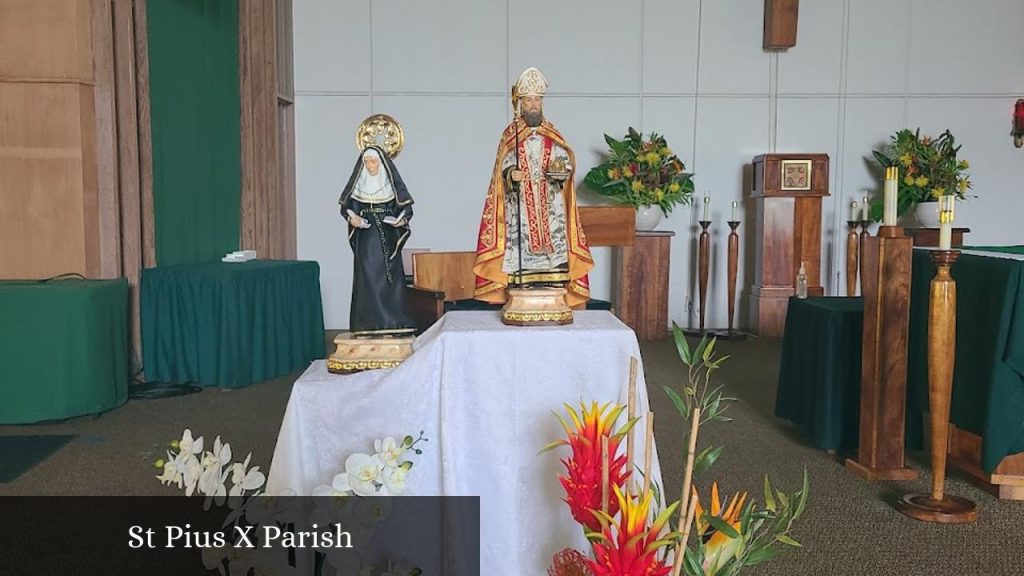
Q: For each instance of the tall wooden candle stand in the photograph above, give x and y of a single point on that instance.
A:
(703, 261)
(734, 251)
(864, 235)
(938, 506)
(852, 263)
(885, 284)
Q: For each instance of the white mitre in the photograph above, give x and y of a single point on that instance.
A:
(531, 83)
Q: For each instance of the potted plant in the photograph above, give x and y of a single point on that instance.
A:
(929, 168)
(644, 174)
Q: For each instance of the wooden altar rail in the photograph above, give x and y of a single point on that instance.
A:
(1006, 481)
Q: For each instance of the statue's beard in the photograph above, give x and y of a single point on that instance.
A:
(533, 118)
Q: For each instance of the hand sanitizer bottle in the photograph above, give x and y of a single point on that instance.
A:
(801, 283)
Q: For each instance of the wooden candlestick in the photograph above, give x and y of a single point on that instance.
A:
(734, 251)
(864, 235)
(702, 266)
(937, 506)
(885, 284)
(852, 261)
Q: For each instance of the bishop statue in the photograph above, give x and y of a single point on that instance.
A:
(530, 232)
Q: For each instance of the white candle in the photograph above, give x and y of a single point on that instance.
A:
(853, 210)
(735, 211)
(889, 198)
(867, 210)
(707, 208)
(945, 222)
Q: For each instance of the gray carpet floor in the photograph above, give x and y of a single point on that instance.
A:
(850, 526)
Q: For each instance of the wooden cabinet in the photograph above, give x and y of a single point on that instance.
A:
(787, 193)
(640, 296)
(930, 236)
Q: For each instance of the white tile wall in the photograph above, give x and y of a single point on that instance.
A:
(581, 46)
(331, 43)
(693, 70)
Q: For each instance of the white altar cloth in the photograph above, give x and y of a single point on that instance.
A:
(483, 393)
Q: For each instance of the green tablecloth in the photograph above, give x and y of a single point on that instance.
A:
(999, 249)
(988, 380)
(230, 324)
(63, 348)
(819, 375)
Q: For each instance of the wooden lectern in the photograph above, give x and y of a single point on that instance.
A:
(787, 192)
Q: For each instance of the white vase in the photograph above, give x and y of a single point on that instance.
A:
(927, 214)
(647, 217)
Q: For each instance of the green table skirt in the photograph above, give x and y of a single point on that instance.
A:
(230, 324)
(988, 379)
(819, 374)
(63, 349)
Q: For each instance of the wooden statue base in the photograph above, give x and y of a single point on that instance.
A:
(536, 307)
(880, 474)
(949, 510)
(358, 354)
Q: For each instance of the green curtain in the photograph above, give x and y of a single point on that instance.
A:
(196, 124)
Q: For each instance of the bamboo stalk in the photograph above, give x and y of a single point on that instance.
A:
(681, 547)
(685, 514)
(604, 474)
(648, 449)
(630, 414)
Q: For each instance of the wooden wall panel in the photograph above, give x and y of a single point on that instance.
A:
(42, 179)
(268, 197)
(46, 40)
(108, 205)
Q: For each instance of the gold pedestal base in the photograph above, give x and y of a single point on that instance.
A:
(358, 354)
(949, 510)
(536, 307)
(880, 474)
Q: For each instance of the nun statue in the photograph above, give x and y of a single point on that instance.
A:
(377, 206)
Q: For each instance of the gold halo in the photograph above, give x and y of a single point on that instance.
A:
(383, 131)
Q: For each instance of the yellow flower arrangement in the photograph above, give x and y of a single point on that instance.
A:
(642, 172)
(929, 168)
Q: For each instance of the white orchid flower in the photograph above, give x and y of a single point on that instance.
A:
(389, 450)
(267, 510)
(363, 472)
(344, 560)
(189, 446)
(394, 480)
(370, 511)
(245, 479)
(192, 471)
(170, 474)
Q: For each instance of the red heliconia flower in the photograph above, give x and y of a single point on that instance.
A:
(630, 545)
(582, 481)
(569, 562)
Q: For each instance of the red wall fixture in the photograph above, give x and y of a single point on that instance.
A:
(1018, 123)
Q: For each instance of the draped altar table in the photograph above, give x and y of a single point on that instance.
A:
(483, 393)
(230, 324)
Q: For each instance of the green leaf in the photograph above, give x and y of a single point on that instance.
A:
(682, 346)
(789, 541)
(882, 159)
(783, 499)
(709, 350)
(802, 503)
(551, 446)
(720, 525)
(680, 405)
(699, 351)
(693, 567)
(706, 459)
(760, 555)
(769, 500)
